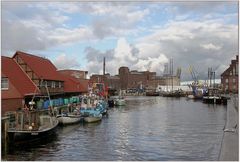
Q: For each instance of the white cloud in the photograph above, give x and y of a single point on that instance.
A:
(188, 37)
(210, 46)
(184, 41)
(64, 36)
(152, 64)
(125, 54)
(64, 61)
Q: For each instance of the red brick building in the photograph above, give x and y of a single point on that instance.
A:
(15, 85)
(24, 75)
(41, 71)
(146, 79)
(134, 79)
(229, 78)
(75, 81)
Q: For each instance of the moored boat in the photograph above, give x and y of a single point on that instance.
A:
(120, 101)
(214, 97)
(67, 117)
(32, 125)
(93, 118)
(152, 93)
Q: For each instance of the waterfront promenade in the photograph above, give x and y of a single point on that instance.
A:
(230, 148)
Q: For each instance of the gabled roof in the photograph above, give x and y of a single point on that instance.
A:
(72, 84)
(19, 82)
(42, 67)
(227, 71)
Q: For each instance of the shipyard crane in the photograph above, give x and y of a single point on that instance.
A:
(193, 73)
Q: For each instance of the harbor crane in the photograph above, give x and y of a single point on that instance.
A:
(193, 73)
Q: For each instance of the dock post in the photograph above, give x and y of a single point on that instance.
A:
(5, 139)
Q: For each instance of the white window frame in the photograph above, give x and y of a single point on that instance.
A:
(53, 84)
(226, 80)
(6, 87)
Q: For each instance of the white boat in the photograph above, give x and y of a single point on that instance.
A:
(120, 101)
(91, 119)
(65, 119)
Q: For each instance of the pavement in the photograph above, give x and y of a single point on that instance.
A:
(230, 143)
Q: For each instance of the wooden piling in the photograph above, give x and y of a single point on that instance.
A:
(5, 139)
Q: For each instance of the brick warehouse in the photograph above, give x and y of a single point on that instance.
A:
(134, 79)
(229, 78)
(22, 75)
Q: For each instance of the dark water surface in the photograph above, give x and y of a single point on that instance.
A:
(148, 128)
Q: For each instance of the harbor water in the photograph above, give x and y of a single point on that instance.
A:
(147, 128)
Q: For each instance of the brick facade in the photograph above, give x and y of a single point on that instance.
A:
(127, 79)
(11, 104)
(229, 78)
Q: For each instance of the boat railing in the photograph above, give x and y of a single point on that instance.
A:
(12, 118)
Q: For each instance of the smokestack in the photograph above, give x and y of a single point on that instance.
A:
(103, 65)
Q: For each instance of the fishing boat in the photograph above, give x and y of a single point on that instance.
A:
(32, 125)
(93, 118)
(67, 117)
(214, 97)
(120, 101)
(198, 91)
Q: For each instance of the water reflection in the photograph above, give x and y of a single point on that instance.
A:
(147, 128)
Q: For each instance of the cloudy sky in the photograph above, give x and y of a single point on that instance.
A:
(140, 35)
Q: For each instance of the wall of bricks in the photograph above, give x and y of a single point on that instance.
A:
(11, 105)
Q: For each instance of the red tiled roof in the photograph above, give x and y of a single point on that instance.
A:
(41, 66)
(84, 84)
(19, 83)
(72, 84)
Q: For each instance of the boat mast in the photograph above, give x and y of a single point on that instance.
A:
(171, 71)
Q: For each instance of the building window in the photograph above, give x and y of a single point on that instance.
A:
(49, 84)
(53, 84)
(4, 83)
(230, 72)
(226, 87)
(60, 85)
(234, 87)
(226, 81)
(234, 80)
(234, 71)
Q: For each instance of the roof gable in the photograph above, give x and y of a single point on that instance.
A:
(17, 77)
(42, 67)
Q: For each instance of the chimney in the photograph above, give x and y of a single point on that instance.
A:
(103, 65)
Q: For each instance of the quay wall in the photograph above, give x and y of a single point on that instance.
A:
(230, 143)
